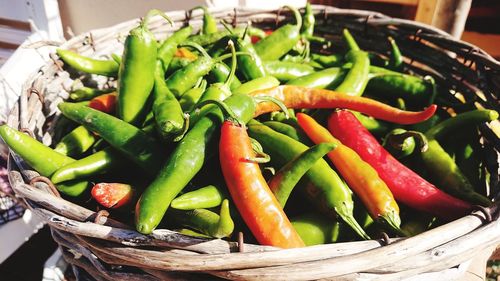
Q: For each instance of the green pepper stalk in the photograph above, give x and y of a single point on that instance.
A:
(136, 75)
(282, 40)
(41, 158)
(88, 65)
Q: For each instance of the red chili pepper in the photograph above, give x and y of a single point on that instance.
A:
(406, 186)
(359, 175)
(112, 195)
(252, 196)
(296, 97)
(105, 103)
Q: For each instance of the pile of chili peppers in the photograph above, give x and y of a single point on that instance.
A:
(227, 130)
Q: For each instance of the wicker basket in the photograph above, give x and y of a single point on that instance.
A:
(109, 250)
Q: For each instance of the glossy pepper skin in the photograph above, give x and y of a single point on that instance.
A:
(281, 41)
(86, 93)
(359, 175)
(283, 182)
(251, 67)
(129, 140)
(209, 22)
(185, 161)
(328, 78)
(206, 197)
(88, 65)
(286, 71)
(256, 203)
(41, 158)
(295, 97)
(307, 28)
(76, 142)
(136, 75)
(323, 186)
(167, 49)
(105, 103)
(406, 186)
(257, 84)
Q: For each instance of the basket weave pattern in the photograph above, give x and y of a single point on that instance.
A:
(109, 250)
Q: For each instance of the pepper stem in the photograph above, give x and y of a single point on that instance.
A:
(230, 77)
(155, 12)
(225, 226)
(296, 14)
(431, 81)
(196, 47)
(226, 111)
(397, 140)
(226, 26)
(351, 43)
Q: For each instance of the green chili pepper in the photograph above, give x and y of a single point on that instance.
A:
(281, 40)
(178, 63)
(376, 127)
(285, 71)
(324, 185)
(88, 65)
(190, 232)
(257, 84)
(289, 130)
(76, 142)
(95, 164)
(209, 196)
(41, 158)
(169, 118)
(209, 22)
(356, 78)
(131, 141)
(169, 46)
(328, 78)
(401, 143)
(333, 60)
(192, 96)
(250, 66)
(136, 76)
(460, 121)
(185, 161)
(316, 230)
(86, 93)
(396, 59)
(283, 182)
(220, 73)
(205, 221)
(307, 28)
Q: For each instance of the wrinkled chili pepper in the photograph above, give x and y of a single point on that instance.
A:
(136, 75)
(322, 185)
(281, 40)
(185, 161)
(406, 186)
(88, 65)
(257, 205)
(283, 182)
(358, 174)
(206, 197)
(298, 97)
(41, 158)
(129, 140)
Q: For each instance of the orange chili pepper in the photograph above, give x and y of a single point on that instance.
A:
(296, 97)
(252, 196)
(362, 178)
(185, 53)
(105, 103)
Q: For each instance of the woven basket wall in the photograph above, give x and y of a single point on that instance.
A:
(108, 250)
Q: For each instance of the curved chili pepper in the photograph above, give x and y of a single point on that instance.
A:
(76, 142)
(168, 48)
(349, 40)
(327, 78)
(131, 141)
(219, 73)
(401, 143)
(315, 230)
(136, 75)
(86, 93)
(205, 221)
(206, 197)
(41, 158)
(396, 59)
(333, 60)
(88, 65)
(298, 97)
(192, 96)
(356, 79)
(286, 71)
(322, 185)
(282, 40)
(406, 186)
(360, 176)
(94, 164)
(461, 120)
(169, 118)
(255, 202)
(307, 28)
(105, 103)
(185, 161)
(209, 22)
(257, 84)
(283, 182)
